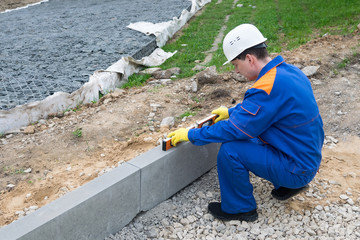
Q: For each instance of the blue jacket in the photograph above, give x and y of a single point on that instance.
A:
(280, 110)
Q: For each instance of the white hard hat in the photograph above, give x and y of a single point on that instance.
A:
(241, 38)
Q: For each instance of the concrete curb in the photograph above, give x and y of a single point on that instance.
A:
(106, 204)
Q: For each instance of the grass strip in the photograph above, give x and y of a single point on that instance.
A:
(286, 24)
(289, 24)
(197, 37)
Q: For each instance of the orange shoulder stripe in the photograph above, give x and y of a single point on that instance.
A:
(266, 82)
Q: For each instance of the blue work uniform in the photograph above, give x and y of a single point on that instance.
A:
(276, 133)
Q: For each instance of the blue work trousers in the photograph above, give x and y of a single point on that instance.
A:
(237, 158)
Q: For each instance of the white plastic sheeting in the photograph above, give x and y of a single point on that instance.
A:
(165, 30)
(102, 80)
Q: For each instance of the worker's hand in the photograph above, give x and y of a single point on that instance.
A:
(223, 113)
(180, 135)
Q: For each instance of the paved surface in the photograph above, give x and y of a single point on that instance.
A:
(56, 45)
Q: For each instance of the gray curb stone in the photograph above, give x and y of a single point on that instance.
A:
(105, 205)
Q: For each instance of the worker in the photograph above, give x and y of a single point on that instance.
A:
(276, 132)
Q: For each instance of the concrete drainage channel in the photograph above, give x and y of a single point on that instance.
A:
(105, 205)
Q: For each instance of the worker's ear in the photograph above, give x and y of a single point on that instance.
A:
(251, 59)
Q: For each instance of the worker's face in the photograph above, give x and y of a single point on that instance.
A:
(245, 68)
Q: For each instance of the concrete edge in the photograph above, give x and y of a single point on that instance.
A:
(106, 204)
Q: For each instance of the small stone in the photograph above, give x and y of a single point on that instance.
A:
(29, 130)
(350, 201)
(310, 231)
(319, 208)
(139, 226)
(191, 219)
(167, 123)
(148, 139)
(209, 195)
(340, 113)
(31, 209)
(198, 68)
(194, 86)
(161, 74)
(10, 187)
(20, 213)
(27, 170)
(255, 231)
(208, 76)
(245, 225)
(102, 155)
(310, 70)
(344, 197)
(334, 182)
(200, 194)
(220, 227)
(234, 223)
(208, 217)
(64, 189)
(150, 70)
(165, 222)
(352, 174)
(155, 105)
(308, 194)
(316, 82)
(153, 233)
(184, 221)
(28, 195)
(9, 136)
(166, 81)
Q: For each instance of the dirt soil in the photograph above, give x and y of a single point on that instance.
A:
(47, 160)
(11, 4)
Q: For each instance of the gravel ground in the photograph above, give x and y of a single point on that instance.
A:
(56, 45)
(185, 216)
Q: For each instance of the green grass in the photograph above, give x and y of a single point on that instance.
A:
(77, 133)
(286, 24)
(344, 63)
(198, 38)
(187, 113)
(11, 170)
(289, 24)
(136, 80)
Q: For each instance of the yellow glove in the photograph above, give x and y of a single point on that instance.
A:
(223, 113)
(180, 135)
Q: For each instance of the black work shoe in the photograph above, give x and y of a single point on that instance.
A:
(283, 193)
(215, 210)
